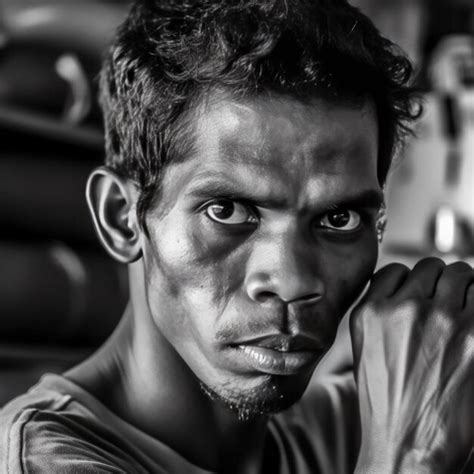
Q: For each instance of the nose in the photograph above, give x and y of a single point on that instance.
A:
(286, 270)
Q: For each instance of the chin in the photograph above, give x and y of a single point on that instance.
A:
(272, 395)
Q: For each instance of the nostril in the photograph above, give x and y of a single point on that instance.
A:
(306, 299)
(287, 288)
(264, 296)
(311, 298)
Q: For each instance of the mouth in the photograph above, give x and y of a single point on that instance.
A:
(280, 354)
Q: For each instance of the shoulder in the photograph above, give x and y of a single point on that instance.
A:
(48, 442)
(43, 432)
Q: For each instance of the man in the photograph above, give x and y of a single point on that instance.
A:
(247, 147)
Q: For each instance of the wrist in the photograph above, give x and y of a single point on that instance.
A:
(375, 461)
(393, 468)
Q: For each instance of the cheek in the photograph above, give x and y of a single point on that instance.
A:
(354, 269)
(178, 258)
(198, 273)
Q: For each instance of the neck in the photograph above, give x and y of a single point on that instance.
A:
(138, 355)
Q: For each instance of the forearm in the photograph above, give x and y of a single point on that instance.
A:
(377, 460)
(420, 443)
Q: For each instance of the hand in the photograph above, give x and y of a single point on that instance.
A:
(413, 343)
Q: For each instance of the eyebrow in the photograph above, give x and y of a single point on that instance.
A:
(367, 199)
(227, 189)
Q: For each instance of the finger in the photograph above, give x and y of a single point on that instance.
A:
(387, 280)
(469, 300)
(422, 279)
(452, 286)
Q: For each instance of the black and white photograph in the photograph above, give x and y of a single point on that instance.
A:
(237, 236)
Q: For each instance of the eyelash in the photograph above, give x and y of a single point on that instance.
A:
(251, 207)
(365, 216)
(335, 230)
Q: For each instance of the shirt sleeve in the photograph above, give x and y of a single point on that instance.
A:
(43, 442)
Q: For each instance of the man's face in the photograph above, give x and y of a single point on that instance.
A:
(260, 242)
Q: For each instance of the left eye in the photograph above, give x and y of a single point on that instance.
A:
(343, 220)
(230, 212)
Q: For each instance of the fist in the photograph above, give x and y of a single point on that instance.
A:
(413, 343)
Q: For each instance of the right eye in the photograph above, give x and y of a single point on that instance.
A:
(342, 220)
(227, 211)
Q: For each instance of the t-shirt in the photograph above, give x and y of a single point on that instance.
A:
(58, 427)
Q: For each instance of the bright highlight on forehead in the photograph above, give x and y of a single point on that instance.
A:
(234, 128)
(279, 137)
(254, 131)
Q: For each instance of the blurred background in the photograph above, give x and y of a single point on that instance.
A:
(60, 294)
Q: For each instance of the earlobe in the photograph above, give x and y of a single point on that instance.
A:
(111, 201)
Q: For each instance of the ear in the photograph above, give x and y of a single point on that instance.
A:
(112, 203)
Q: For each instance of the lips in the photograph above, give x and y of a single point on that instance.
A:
(285, 343)
(280, 354)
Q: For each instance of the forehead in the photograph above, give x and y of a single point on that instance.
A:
(281, 145)
(264, 123)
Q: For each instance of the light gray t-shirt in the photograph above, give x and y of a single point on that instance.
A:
(57, 427)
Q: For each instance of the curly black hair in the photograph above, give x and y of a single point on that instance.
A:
(169, 53)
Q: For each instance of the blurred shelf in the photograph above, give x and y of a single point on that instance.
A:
(47, 127)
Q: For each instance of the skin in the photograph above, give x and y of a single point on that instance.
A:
(281, 165)
(413, 341)
(216, 274)
(257, 234)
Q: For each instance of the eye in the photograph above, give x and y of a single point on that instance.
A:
(226, 211)
(343, 220)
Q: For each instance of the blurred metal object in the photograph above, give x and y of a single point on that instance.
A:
(451, 65)
(444, 223)
(49, 64)
(83, 26)
(69, 68)
(451, 71)
(450, 233)
(431, 194)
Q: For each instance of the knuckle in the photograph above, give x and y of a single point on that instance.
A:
(468, 348)
(465, 344)
(392, 270)
(417, 287)
(442, 322)
(470, 299)
(407, 308)
(355, 322)
(364, 312)
(432, 261)
(429, 265)
(459, 267)
(395, 267)
(411, 307)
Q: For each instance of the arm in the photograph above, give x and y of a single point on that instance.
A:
(413, 342)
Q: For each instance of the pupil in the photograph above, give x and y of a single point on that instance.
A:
(223, 210)
(339, 219)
